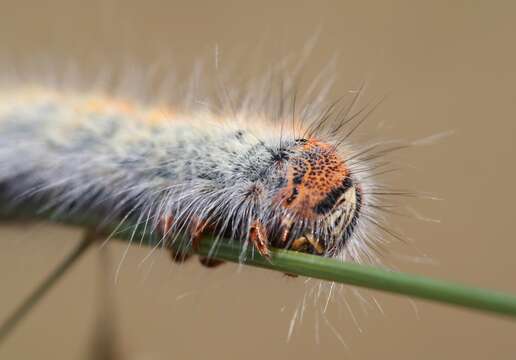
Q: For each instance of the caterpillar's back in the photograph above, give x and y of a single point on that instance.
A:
(282, 181)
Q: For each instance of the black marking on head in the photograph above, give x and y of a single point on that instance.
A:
(281, 182)
(298, 178)
(328, 203)
(300, 169)
(293, 196)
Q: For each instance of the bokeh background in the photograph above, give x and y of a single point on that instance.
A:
(447, 66)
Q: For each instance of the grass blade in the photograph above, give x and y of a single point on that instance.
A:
(326, 269)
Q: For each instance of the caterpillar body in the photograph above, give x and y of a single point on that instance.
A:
(288, 181)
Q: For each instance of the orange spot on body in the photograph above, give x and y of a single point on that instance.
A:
(109, 105)
(152, 115)
(156, 116)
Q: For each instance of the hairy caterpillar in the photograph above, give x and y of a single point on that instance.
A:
(280, 175)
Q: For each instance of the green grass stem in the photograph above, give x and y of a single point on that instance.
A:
(329, 269)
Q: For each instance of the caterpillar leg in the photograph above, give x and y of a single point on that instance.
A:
(210, 262)
(286, 224)
(300, 243)
(258, 237)
(196, 232)
(165, 229)
(305, 240)
(179, 256)
(197, 228)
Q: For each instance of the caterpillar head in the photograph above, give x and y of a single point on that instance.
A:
(320, 200)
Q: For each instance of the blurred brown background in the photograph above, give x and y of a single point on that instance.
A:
(445, 65)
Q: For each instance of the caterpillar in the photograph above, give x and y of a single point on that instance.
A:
(279, 174)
